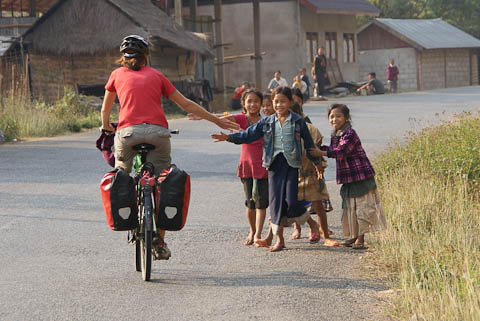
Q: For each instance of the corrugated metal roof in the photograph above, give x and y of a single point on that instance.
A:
(430, 33)
(342, 6)
(5, 44)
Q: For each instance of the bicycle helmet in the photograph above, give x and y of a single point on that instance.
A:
(134, 46)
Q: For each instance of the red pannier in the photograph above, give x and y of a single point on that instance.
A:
(172, 199)
(119, 200)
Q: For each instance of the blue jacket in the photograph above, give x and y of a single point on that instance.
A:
(266, 128)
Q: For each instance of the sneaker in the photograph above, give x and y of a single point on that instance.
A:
(160, 250)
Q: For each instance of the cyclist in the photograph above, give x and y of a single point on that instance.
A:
(142, 120)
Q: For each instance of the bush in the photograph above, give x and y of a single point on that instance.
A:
(430, 192)
(10, 128)
(20, 117)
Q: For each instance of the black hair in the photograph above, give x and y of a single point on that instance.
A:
(267, 95)
(297, 92)
(343, 109)
(284, 90)
(374, 75)
(251, 91)
(295, 108)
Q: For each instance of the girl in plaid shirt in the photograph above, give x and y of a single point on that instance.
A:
(362, 210)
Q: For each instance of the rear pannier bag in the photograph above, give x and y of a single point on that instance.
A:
(119, 200)
(173, 191)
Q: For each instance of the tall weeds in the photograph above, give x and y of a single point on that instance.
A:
(20, 117)
(430, 190)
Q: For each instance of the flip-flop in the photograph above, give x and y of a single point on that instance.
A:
(359, 246)
(314, 238)
(277, 248)
(247, 241)
(348, 243)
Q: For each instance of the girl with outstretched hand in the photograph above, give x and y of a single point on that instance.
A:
(282, 149)
(250, 170)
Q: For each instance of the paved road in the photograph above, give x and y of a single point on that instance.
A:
(60, 261)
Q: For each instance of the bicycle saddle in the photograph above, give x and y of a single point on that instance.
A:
(143, 146)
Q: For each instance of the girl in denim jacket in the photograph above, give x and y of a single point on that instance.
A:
(282, 153)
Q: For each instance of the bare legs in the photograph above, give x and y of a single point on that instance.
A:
(323, 222)
(256, 219)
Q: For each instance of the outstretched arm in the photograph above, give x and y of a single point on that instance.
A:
(194, 108)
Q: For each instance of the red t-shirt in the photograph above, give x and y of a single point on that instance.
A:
(250, 165)
(237, 95)
(140, 93)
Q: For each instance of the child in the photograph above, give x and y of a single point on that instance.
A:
(312, 188)
(282, 134)
(250, 170)
(298, 98)
(267, 105)
(362, 210)
(304, 77)
(392, 76)
(237, 95)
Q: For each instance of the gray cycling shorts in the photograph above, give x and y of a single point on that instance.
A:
(156, 135)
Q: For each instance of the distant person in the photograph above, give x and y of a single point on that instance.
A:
(237, 95)
(373, 86)
(304, 77)
(299, 84)
(392, 76)
(319, 72)
(267, 104)
(277, 81)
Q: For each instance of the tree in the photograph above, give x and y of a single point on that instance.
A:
(464, 14)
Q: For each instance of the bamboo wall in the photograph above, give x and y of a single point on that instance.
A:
(50, 74)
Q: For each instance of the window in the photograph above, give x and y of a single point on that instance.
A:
(331, 45)
(349, 47)
(312, 45)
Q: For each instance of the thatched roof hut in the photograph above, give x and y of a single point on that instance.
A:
(76, 42)
(92, 26)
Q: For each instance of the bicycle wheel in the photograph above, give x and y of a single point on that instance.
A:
(138, 256)
(146, 254)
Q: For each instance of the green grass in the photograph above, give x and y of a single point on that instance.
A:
(431, 194)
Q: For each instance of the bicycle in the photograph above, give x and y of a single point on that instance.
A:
(146, 184)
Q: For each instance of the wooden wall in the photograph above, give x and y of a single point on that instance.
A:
(12, 73)
(374, 37)
(50, 74)
(174, 63)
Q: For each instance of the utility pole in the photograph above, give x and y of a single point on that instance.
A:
(193, 14)
(219, 46)
(256, 40)
(32, 8)
(178, 11)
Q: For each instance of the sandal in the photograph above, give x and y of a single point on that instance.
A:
(314, 238)
(160, 250)
(359, 246)
(348, 243)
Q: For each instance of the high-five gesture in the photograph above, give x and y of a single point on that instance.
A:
(219, 137)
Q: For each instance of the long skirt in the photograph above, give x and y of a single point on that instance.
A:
(283, 191)
(363, 214)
